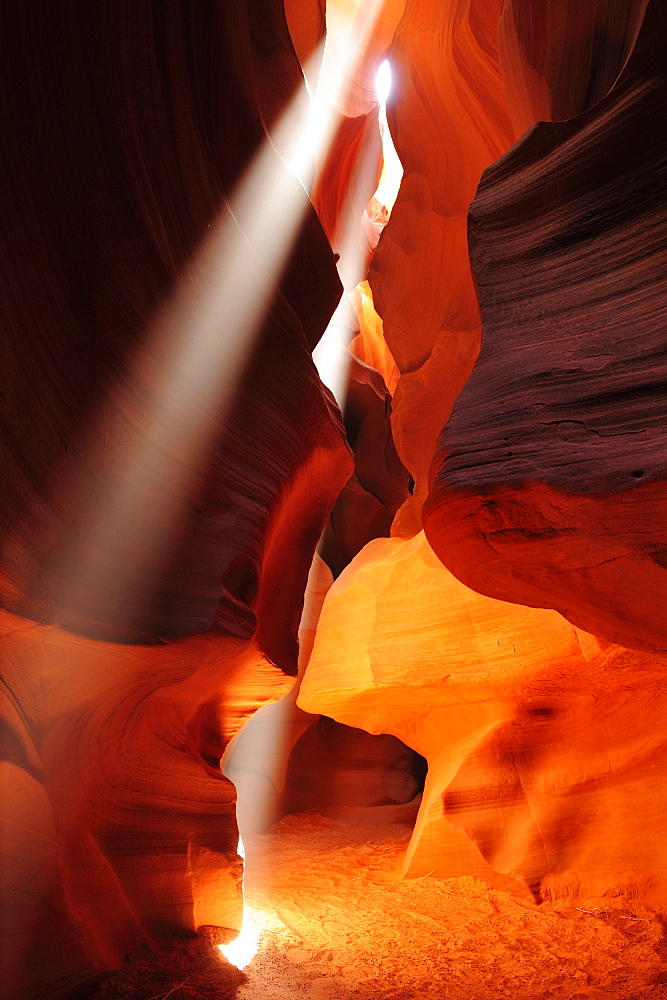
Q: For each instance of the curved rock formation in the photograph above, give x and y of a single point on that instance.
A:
(369, 345)
(349, 21)
(343, 189)
(549, 77)
(306, 20)
(448, 119)
(171, 455)
(531, 729)
(127, 131)
(334, 765)
(368, 502)
(100, 231)
(549, 480)
(118, 826)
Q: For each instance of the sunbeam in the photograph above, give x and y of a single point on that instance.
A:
(203, 338)
(241, 951)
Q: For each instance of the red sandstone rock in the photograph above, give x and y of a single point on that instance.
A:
(124, 137)
(344, 187)
(334, 765)
(558, 59)
(307, 26)
(448, 119)
(368, 502)
(349, 22)
(545, 749)
(118, 826)
(126, 131)
(549, 480)
(369, 344)
(101, 229)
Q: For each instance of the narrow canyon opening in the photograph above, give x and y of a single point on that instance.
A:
(333, 529)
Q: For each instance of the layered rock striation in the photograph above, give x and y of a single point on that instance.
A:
(549, 479)
(166, 480)
(449, 120)
(532, 729)
(158, 517)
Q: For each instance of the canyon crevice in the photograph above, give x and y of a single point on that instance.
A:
(337, 479)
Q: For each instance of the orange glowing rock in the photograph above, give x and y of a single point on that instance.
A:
(306, 20)
(549, 481)
(448, 119)
(374, 21)
(287, 760)
(118, 825)
(344, 187)
(545, 745)
(369, 344)
(353, 167)
(531, 729)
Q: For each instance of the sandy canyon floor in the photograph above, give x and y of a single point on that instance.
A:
(340, 923)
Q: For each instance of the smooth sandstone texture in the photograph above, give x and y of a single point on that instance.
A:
(334, 765)
(125, 137)
(126, 129)
(369, 345)
(448, 119)
(533, 731)
(354, 22)
(368, 502)
(343, 189)
(548, 482)
(357, 35)
(549, 77)
(306, 20)
(118, 827)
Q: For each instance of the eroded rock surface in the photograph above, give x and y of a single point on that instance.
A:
(549, 479)
(558, 59)
(367, 504)
(531, 728)
(448, 119)
(118, 826)
(146, 495)
(129, 130)
(119, 169)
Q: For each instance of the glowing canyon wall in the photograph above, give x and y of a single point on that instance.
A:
(152, 583)
(567, 431)
(491, 500)
(540, 460)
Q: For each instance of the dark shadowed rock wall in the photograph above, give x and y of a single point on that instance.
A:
(549, 481)
(126, 129)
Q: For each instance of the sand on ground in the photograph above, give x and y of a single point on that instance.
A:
(338, 923)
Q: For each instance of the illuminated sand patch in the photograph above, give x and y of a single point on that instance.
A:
(347, 926)
(243, 949)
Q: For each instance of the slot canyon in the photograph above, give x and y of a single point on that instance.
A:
(333, 504)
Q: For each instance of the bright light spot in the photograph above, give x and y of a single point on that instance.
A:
(383, 82)
(392, 169)
(310, 143)
(186, 374)
(242, 951)
(330, 355)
